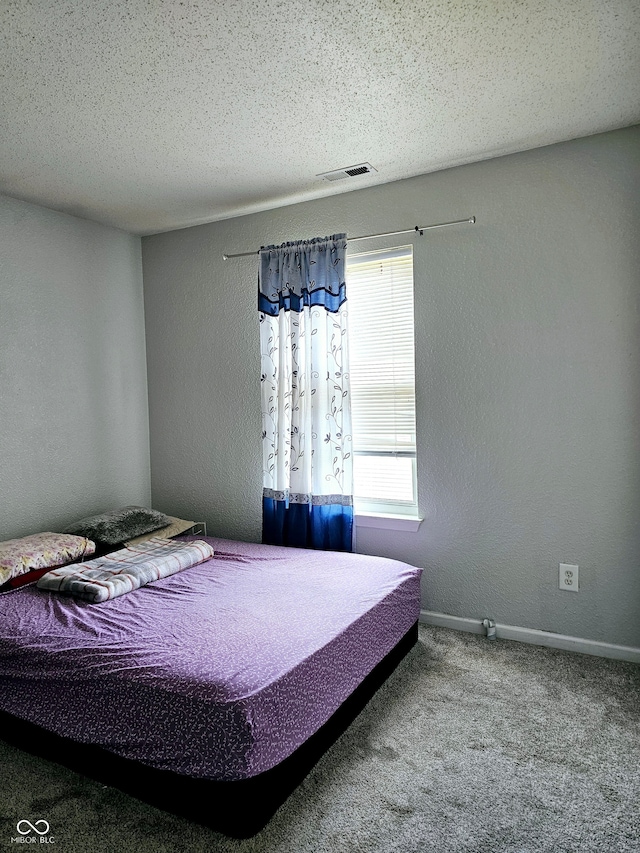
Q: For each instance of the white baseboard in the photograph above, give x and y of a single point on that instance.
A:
(532, 635)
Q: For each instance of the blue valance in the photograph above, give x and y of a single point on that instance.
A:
(303, 274)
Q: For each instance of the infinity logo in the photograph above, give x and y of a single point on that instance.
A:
(33, 827)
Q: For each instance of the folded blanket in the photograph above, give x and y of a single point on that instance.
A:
(123, 571)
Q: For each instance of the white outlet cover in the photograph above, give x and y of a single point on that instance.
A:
(568, 577)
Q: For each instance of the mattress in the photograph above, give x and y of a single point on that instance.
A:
(218, 672)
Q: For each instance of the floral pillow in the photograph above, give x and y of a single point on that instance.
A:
(41, 551)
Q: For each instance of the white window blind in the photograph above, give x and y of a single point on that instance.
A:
(382, 368)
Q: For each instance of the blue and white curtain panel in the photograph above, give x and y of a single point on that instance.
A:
(307, 499)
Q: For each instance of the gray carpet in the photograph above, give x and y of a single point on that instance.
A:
(469, 746)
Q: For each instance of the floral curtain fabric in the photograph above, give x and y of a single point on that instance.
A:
(306, 413)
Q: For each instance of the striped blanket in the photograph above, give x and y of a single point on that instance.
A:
(123, 571)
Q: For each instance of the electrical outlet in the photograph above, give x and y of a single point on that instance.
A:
(568, 577)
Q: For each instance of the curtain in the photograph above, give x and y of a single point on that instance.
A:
(307, 498)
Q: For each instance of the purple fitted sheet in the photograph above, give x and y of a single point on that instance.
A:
(218, 672)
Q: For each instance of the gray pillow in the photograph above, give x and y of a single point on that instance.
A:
(118, 525)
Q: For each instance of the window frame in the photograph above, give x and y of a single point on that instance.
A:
(379, 512)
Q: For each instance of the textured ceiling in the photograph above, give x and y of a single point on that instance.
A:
(152, 115)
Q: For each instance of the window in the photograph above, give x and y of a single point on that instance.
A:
(382, 367)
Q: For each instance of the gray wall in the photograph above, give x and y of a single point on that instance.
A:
(528, 385)
(74, 429)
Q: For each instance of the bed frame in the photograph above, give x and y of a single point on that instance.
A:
(238, 809)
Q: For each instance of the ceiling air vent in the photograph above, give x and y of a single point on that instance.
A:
(349, 172)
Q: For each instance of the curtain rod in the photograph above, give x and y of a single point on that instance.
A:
(417, 230)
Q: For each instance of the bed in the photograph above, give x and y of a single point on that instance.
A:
(212, 692)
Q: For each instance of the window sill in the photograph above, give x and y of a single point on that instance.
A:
(407, 523)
